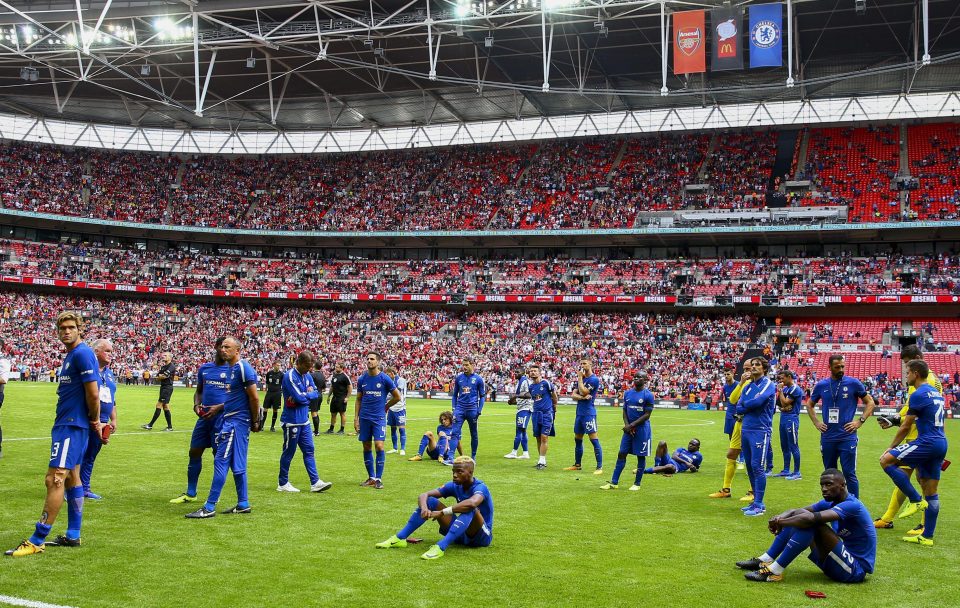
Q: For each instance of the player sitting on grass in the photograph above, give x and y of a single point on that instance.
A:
(683, 459)
(469, 522)
(837, 530)
(436, 445)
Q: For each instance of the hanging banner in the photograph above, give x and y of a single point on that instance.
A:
(727, 39)
(766, 35)
(689, 42)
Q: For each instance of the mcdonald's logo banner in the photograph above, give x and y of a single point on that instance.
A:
(726, 26)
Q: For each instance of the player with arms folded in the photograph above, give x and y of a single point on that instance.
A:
(585, 394)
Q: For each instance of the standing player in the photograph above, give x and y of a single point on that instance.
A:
(103, 349)
(733, 427)
(274, 396)
(213, 383)
(909, 353)
(4, 377)
(838, 440)
(469, 522)
(397, 414)
(167, 371)
(757, 404)
(298, 391)
(241, 412)
(545, 399)
(638, 404)
(468, 397)
(584, 393)
(78, 414)
(436, 446)
(340, 391)
(837, 530)
(925, 453)
(321, 382)
(521, 399)
(789, 398)
(369, 416)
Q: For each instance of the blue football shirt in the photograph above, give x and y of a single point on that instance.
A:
(542, 397)
(839, 404)
(79, 368)
(928, 406)
(636, 403)
(855, 528)
(461, 493)
(237, 405)
(587, 406)
(375, 391)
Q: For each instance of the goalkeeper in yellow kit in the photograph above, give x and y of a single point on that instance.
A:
(731, 393)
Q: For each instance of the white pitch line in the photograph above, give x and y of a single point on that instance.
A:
(16, 601)
(131, 434)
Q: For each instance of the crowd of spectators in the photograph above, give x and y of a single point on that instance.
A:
(837, 273)
(602, 182)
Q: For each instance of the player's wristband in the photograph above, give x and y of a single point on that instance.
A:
(448, 511)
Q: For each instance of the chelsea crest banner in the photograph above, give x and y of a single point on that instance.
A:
(766, 35)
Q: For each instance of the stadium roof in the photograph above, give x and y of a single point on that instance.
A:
(335, 64)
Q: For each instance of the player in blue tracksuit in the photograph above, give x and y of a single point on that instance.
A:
(925, 453)
(837, 530)
(213, 382)
(78, 415)
(468, 394)
(103, 349)
(469, 522)
(544, 397)
(789, 399)
(435, 446)
(638, 404)
(376, 393)
(838, 396)
(757, 404)
(585, 393)
(299, 390)
(241, 415)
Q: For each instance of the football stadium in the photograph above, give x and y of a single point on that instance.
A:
(485, 303)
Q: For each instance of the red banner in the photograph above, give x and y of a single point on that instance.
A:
(689, 42)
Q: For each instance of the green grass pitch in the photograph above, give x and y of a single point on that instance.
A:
(558, 539)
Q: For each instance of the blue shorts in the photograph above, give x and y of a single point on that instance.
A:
(232, 443)
(839, 565)
(924, 455)
(397, 418)
(205, 433)
(523, 419)
(584, 425)
(68, 446)
(543, 424)
(372, 430)
(482, 538)
(637, 444)
(728, 423)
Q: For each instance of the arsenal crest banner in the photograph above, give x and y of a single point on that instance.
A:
(766, 35)
(727, 35)
(689, 42)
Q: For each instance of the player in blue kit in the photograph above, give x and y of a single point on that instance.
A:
(103, 349)
(241, 415)
(688, 459)
(638, 404)
(397, 414)
(213, 381)
(436, 445)
(469, 522)
(544, 397)
(370, 419)
(521, 399)
(925, 453)
(585, 394)
(756, 405)
(837, 530)
(78, 415)
(838, 396)
(468, 395)
(789, 399)
(299, 390)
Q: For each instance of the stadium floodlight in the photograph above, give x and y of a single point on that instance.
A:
(251, 61)
(462, 9)
(553, 5)
(145, 69)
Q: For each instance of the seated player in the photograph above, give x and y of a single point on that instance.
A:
(683, 459)
(469, 522)
(837, 530)
(436, 445)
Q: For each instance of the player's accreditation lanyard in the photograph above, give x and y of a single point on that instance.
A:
(833, 414)
(105, 396)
